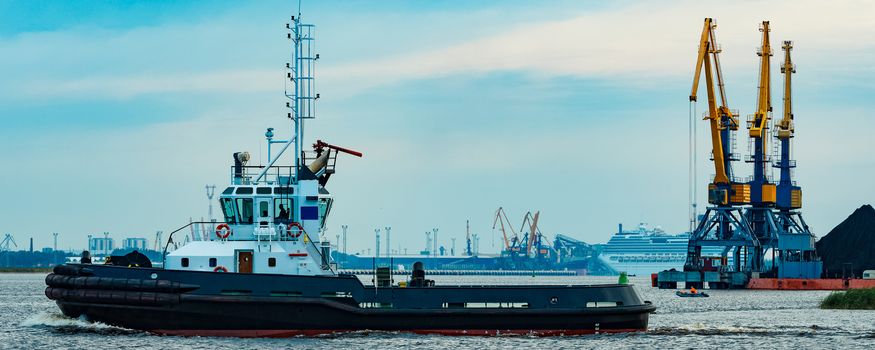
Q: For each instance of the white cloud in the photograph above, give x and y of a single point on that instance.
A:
(643, 43)
(127, 86)
(584, 179)
(640, 44)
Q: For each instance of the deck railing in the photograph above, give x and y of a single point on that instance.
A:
(190, 224)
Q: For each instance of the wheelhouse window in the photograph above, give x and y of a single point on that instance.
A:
(263, 209)
(244, 209)
(284, 190)
(262, 190)
(184, 262)
(229, 211)
(283, 209)
(213, 262)
(244, 190)
(324, 208)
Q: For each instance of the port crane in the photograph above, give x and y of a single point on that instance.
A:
(535, 240)
(789, 196)
(533, 235)
(760, 214)
(771, 222)
(526, 248)
(761, 189)
(797, 256)
(723, 223)
(503, 223)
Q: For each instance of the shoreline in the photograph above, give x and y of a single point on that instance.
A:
(25, 269)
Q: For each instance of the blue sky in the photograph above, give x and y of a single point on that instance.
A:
(116, 113)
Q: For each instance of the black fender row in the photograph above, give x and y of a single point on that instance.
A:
(112, 296)
(117, 284)
(72, 270)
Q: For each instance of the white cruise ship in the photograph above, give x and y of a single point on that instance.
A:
(645, 250)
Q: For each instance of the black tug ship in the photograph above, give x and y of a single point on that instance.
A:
(266, 271)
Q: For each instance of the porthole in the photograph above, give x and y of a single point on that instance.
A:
(153, 276)
(213, 262)
(554, 300)
(271, 262)
(184, 262)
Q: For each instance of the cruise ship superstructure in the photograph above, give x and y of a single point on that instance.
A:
(645, 250)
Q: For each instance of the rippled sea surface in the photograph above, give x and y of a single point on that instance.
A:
(736, 319)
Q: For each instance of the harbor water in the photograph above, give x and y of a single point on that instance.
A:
(729, 318)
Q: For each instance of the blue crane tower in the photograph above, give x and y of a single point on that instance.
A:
(796, 255)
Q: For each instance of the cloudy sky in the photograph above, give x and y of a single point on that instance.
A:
(115, 114)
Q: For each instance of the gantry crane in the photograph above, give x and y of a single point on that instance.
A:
(520, 244)
(771, 223)
(534, 240)
(760, 214)
(8, 241)
(723, 223)
(797, 256)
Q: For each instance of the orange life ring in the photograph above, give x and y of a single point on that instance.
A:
(223, 231)
(294, 234)
(220, 269)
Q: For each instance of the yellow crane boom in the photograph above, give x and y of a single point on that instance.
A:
(501, 219)
(762, 190)
(533, 231)
(722, 120)
(785, 125)
(764, 98)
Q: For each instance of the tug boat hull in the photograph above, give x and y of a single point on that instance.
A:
(306, 318)
(199, 307)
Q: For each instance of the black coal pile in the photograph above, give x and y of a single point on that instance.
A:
(850, 245)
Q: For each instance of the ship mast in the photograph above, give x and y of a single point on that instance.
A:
(300, 89)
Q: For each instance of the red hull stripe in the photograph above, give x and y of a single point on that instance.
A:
(808, 284)
(252, 333)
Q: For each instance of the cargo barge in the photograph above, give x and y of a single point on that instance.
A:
(809, 283)
(669, 280)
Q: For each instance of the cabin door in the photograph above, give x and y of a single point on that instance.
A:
(244, 262)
